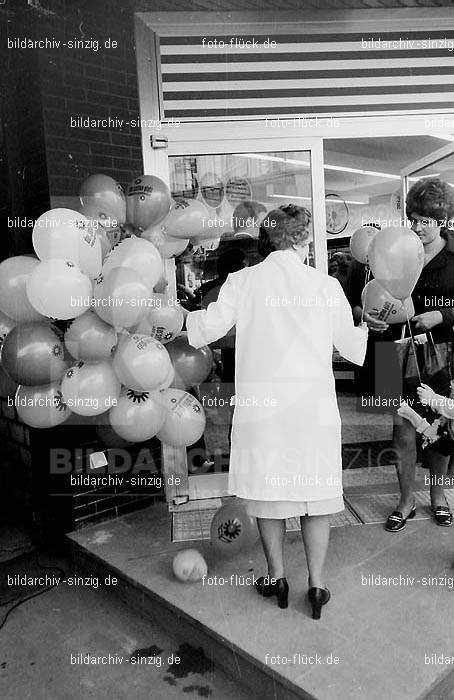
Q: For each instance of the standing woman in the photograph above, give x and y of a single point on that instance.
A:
(429, 208)
(286, 439)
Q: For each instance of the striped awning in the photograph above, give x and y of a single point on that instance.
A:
(307, 74)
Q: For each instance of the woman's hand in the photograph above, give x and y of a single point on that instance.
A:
(374, 323)
(426, 395)
(427, 320)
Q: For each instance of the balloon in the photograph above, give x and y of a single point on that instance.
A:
(189, 565)
(103, 198)
(137, 416)
(232, 529)
(141, 363)
(105, 243)
(187, 218)
(396, 258)
(167, 245)
(121, 297)
(192, 366)
(360, 242)
(185, 418)
(163, 321)
(8, 388)
(90, 389)
(14, 302)
(41, 406)
(109, 237)
(58, 289)
(160, 287)
(390, 310)
(6, 325)
(64, 234)
(139, 255)
(90, 339)
(107, 231)
(148, 201)
(32, 354)
(107, 435)
(168, 380)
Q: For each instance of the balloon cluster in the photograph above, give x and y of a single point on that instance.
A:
(120, 355)
(395, 256)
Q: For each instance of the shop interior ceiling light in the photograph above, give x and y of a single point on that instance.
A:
(292, 196)
(306, 164)
(421, 177)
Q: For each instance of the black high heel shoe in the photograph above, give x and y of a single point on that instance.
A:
(396, 521)
(442, 515)
(267, 587)
(317, 598)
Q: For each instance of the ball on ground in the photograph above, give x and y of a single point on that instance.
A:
(189, 565)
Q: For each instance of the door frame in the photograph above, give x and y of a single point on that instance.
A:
(174, 460)
(429, 159)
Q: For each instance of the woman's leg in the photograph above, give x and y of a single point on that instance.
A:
(438, 465)
(272, 533)
(315, 531)
(404, 444)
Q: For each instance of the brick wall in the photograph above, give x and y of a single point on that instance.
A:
(16, 488)
(61, 458)
(23, 165)
(81, 83)
(47, 160)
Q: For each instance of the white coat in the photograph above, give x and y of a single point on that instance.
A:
(286, 434)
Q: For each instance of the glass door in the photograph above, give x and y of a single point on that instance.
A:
(439, 163)
(238, 183)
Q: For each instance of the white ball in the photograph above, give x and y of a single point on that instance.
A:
(189, 565)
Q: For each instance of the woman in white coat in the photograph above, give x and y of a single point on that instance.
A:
(286, 440)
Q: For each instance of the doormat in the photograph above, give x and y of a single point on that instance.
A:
(374, 453)
(371, 476)
(375, 508)
(195, 525)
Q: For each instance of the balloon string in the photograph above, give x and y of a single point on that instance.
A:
(365, 294)
(413, 344)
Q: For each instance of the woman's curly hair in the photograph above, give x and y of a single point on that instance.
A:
(433, 198)
(284, 227)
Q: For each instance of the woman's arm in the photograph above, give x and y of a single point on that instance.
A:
(437, 284)
(354, 286)
(357, 312)
(428, 320)
(348, 339)
(212, 323)
(440, 404)
(373, 323)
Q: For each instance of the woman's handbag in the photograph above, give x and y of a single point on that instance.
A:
(424, 361)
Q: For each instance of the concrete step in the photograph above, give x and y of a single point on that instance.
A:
(379, 633)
